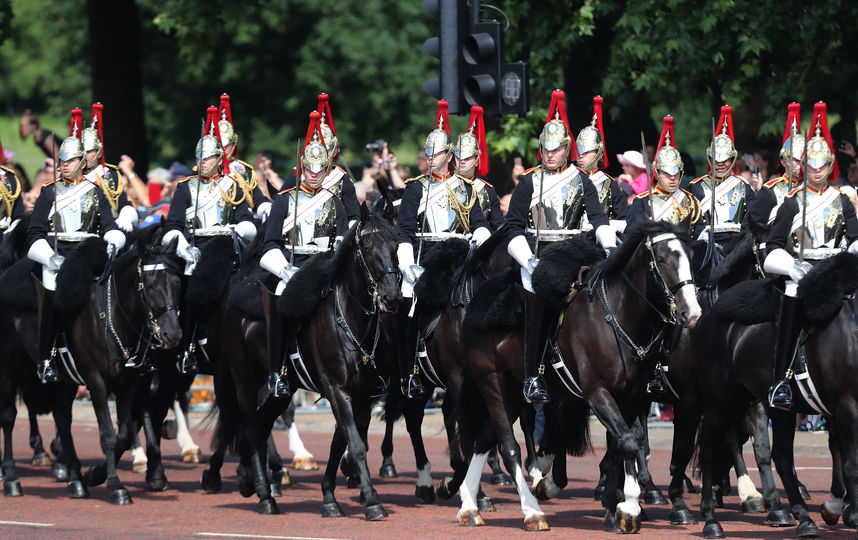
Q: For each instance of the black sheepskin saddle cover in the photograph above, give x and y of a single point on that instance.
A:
(246, 296)
(17, 291)
(559, 264)
(441, 261)
(823, 289)
(495, 305)
(308, 286)
(749, 302)
(210, 280)
(74, 281)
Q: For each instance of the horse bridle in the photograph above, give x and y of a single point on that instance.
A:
(372, 281)
(155, 341)
(669, 291)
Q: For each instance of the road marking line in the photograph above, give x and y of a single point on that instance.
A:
(26, 524)
(231, 535)
(800, 469)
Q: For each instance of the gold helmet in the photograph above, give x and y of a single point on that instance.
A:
(473, 143)
(314, 156)
(93, 136)
(329, 132)
(820, 150)
(209, 145)
(723, 145)
(667, 158)
(592, 137)
(555, 133)
(72, 147)
(438, 139)
(227, 131)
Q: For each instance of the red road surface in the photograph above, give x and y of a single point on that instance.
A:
(186, 512)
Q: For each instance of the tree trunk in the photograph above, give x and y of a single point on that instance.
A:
(114, 38)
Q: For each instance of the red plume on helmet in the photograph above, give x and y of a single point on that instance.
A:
(597, 114)
(313, 129)
(793, 119)
(442, 117)
(725, 126)
(76, 126)
(225, 111)
(324, 109)
(98, 120)
(820, 121)
(478, 127)
(558, 109)
(666, 135)
(213, 130)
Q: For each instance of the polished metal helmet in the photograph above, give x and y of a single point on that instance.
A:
(71, 148)
(467, 145)
(554, 134)
(797, 151)
(209, 145)
(227, 132)
(668, 159)
(590, 139)
(438, 140)
(91, 141)
(331, 141)
(722, 148)
(315, 157)
(818, 151)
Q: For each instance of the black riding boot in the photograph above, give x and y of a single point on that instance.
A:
(188, 363)
(535, 332)
(789, 331)
(409, 371)
(278, 384)
(655, 387)
(47, 369)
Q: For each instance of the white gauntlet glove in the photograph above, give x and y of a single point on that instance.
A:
(607, 238)
(481, 234)
(246, 230)
(263, 210)
(410, 271)
(127, 218)
(115, 240)
(519, 249)
(55, 262)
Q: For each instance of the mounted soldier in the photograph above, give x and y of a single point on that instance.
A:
(814, 222)
(592, 158)
(105, 175)
(338, 181)
(12, 207)
(293, 236)
(733, 194)
(545, 207)
(67, 211)
(666, 201)
(472, 164)
(205, 206)
(241, 171)
(435, 207)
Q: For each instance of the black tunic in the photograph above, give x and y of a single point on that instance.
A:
(280, 213)
(494, 216)
(696, 189)
(780, 231)
(410, 203)
(348, 197)
(182, 200)
(40, 221)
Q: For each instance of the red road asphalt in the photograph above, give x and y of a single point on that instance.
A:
(186, 512)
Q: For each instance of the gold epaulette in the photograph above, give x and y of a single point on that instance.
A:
(483, 180)
(287, 190)
(774, 181)
(696, 180)
(185, 179)
(530, 170)
(415, 178)
(246, 164)
(643, 195)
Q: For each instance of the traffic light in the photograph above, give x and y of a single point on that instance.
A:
(482, 52)
(446, 46)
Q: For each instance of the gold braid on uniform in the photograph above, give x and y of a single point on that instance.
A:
(8, 197)
(246, 187)
(229, 199)
(462, 210)
(111, 194)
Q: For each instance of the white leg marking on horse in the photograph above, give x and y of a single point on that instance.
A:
(535, 475)
(423, 476)
(835, 505)
(632, 491)
(684, 272)
(183, 435)
(471, 485)
(747, 490)
(529, 504)
(139, 455)
(296, 445)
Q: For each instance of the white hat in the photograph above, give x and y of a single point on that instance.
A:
(633, 158)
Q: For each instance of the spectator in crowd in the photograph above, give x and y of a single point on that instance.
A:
(517, 170)
(504, 200)
(45, 139)
(421, 163)
(746, 171)
(387, 164)
(629, 191)
(45, 174)
(843, 135)
(270, 182)
(135, 189)
(634, 170)
(763, 161)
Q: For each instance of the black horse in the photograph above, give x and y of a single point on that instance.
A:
(736, 365)
(130, 307)
(650, 277)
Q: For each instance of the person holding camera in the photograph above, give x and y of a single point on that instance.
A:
(338, 181)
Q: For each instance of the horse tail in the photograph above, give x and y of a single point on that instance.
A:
(567, 428)
(472, 418)
(225, 409)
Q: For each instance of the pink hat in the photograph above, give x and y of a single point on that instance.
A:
(633, 158)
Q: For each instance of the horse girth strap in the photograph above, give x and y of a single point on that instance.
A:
(619, 334)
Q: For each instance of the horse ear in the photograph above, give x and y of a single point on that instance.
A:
(364, 213)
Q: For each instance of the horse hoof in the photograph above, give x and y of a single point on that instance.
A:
(375, 512)
(139, 467)
(159, 484)
(332, 509)
(754, 505)
(654, 496)
(442, 490)
(688, 486)
(803, 492)
(120, 496)
(12, 488)
(387, 470)
(267, 507)
(210, 482)
(536, 522)
(628, 523)
(470, 518)
(274, 488)
(682, 516)
(60, 472)
(95, 475)
(169, 430)
(485, 504)
(286, 478)
(847, 516)
(540, 491)
(713, 529)
(41, 460)
(305, 463)
(424, 494)
(192, 455)
(77, 490)
(808, 529)
(353, 482)
(246, 486)
(829, 515)
(597, 493)
(611, 523)
(501, 479)
(780, 518)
